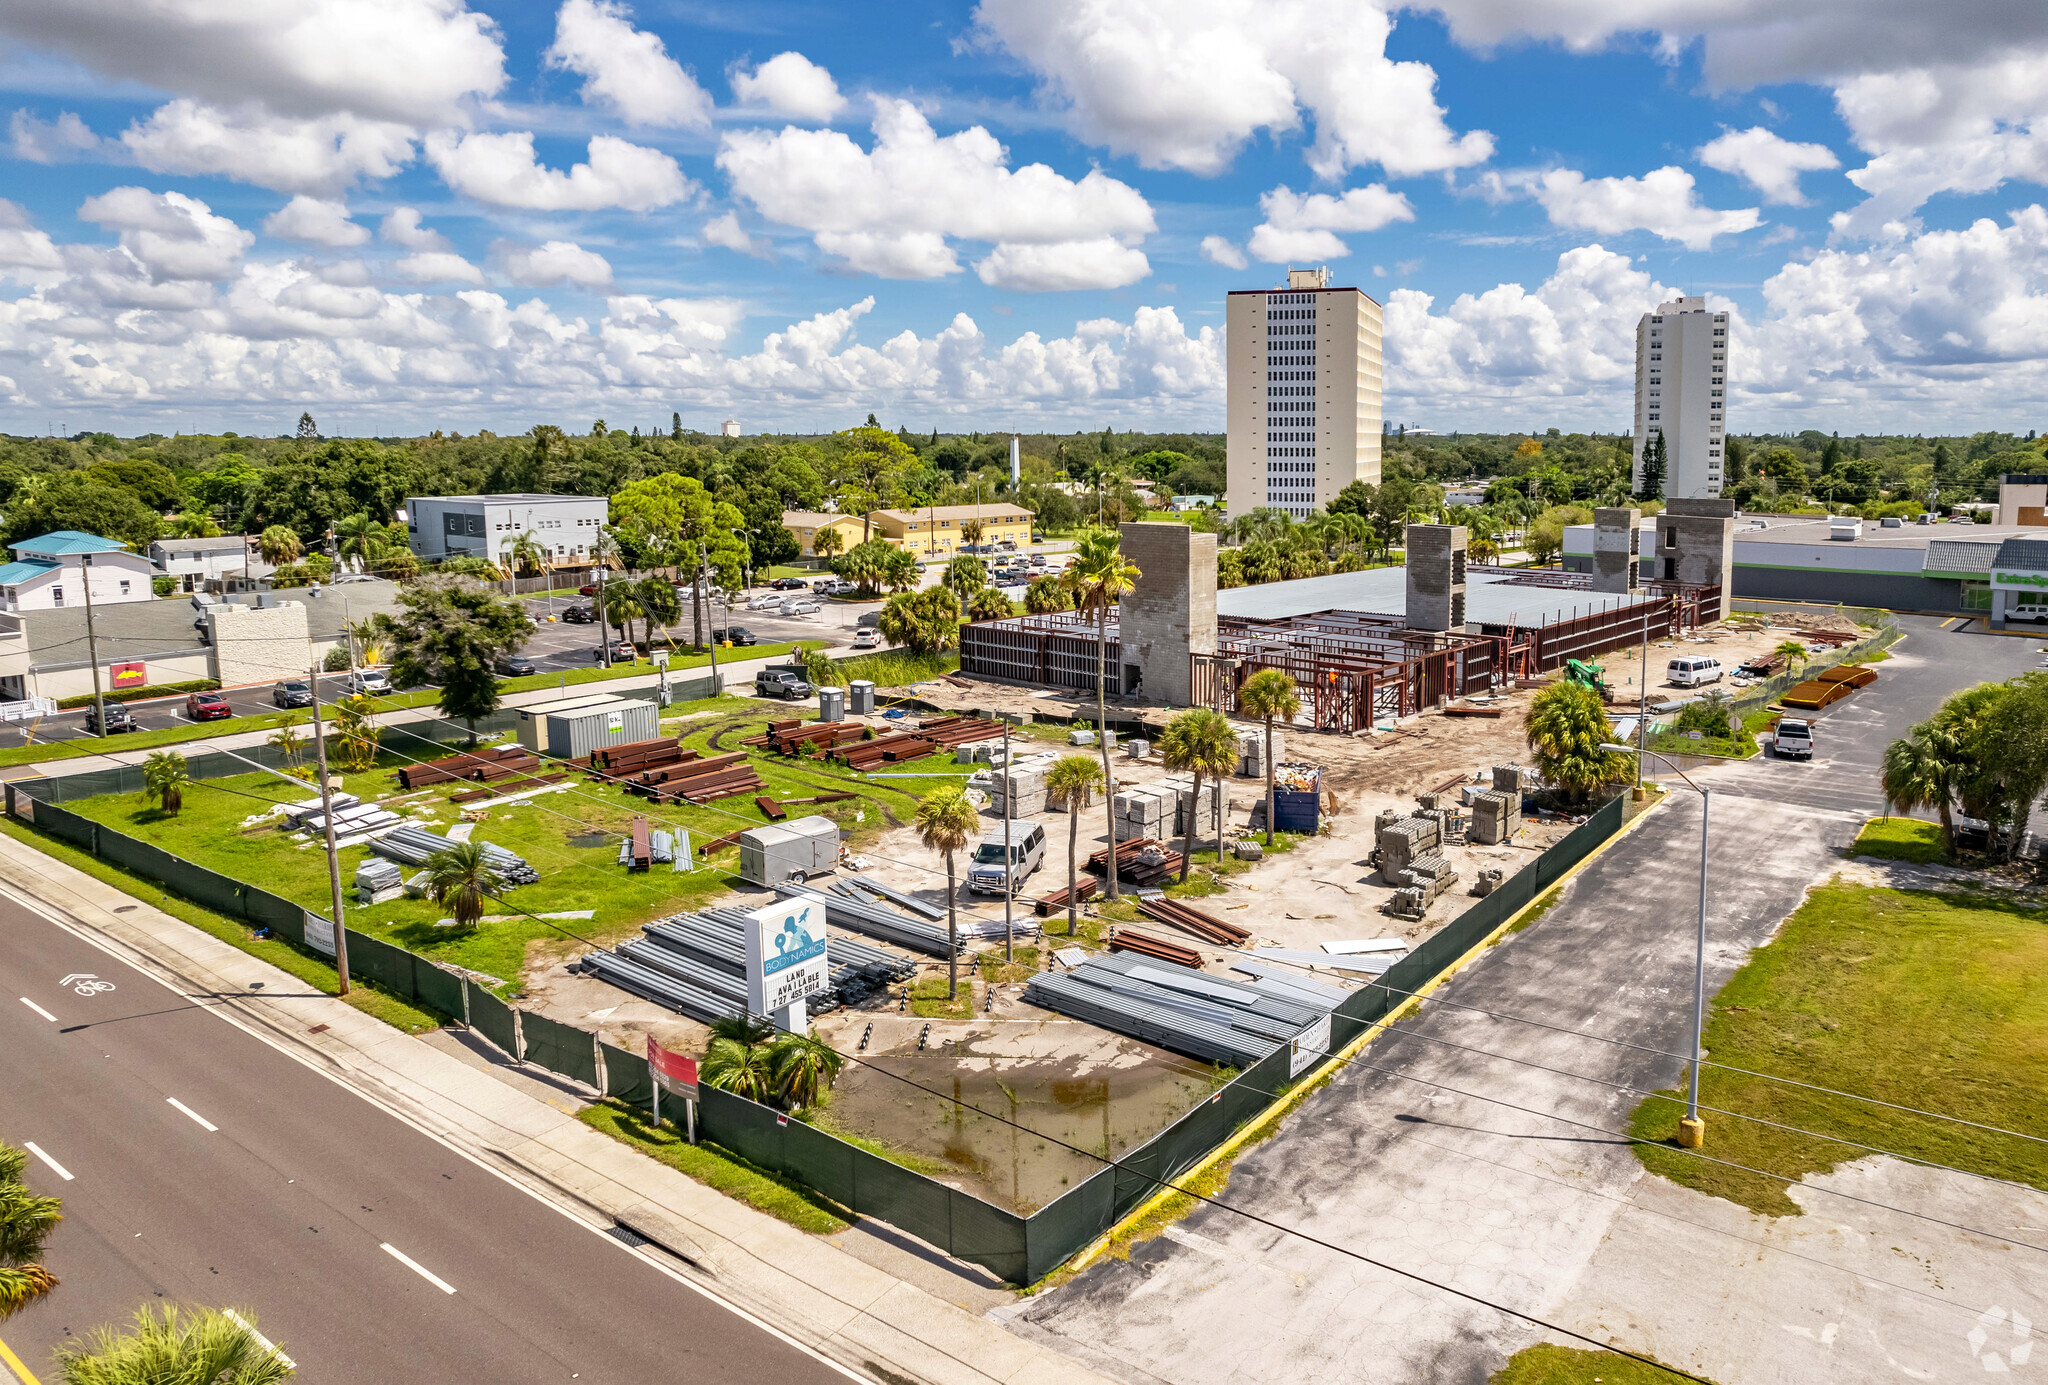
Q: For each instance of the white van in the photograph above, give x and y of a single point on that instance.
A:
(1693, 671)
(1027, 853)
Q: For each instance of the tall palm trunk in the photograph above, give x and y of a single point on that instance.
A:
(1269, 781)
(1102, 735)
(1187, 843)
(952, 931)
(1073, 831)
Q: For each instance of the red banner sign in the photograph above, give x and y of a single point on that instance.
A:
(674, 1073)
(130, 675)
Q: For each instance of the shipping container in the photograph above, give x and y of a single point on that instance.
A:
(533, 719)
(575, 732)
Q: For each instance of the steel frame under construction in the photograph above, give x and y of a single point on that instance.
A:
(1056, 650)
(1354, 669)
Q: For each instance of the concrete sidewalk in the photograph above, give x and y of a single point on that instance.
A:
(850, 1310)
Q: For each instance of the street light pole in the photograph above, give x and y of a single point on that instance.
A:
(327, 817)
(92, 648)
(1692, 1131)
(1009, 879)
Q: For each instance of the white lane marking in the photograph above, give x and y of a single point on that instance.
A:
(417, 1268)
(39, 1009)
(239, 1321)
(33, 1148)
(192, 1113)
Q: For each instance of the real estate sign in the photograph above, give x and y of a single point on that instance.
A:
(785, 955)
(673, 1073)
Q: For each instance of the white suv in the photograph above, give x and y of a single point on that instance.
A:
(369, 680)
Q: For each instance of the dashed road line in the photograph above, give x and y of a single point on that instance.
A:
(192, 1113)
(417, 1268)
(33, 1148)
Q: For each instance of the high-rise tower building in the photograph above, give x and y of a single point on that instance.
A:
(1681, 390)
(1304, 390)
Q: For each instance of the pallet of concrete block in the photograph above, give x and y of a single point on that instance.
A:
(1403, 840)
(1496, 817)
(1408, 903)
(1511, 778)
(1430, 872)
(1251, 752)
(1188, 814)
(1141, 811)
(1018, 791)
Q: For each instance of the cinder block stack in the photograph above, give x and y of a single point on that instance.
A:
(1142, 811)
(1496, 817)
(1510, 778)
(1023, 788)
(1408, 904)
(1185, 806)
(1404, 841)
(1251, 751)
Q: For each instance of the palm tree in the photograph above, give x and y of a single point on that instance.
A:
(194, 524)
(802, 1064)
(1921, 770)
(972, 529)
(26, 1221)
(1793, 653)
(1103, 575)
(362, 538)
(1269, 695)
(946, 822)
(899, 570)
(827, 542)
(746, 1070)
(176, 1344)
(1567, 726)
(622, 606)
(289, 739)
(1046, 595)
(164, 777)
(1068, 783)
(460, 878)
(528, 553)
(966, 575)
(356, 736)
(279, 546)
(1198, 742)
(990, 604)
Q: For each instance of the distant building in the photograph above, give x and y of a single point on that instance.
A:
(808, 524)
(195, 562)
(1185, 503)
(1304, 393)
(729, 429)
(935, 531)
(484, 526)
(49, 573)
(1681, 387)
(2023, 501)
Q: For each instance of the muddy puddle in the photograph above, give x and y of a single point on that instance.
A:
(1112, 1102)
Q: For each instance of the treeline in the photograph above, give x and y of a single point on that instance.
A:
(143, 488)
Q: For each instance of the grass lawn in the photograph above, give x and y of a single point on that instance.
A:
(718, 1168)
(418, 697)
(308, 967)
(896, 668)
(1549, 1364)
(1900, 839)
(571, 838)
(928, 997)
(1935, 1001)
(1740, 747)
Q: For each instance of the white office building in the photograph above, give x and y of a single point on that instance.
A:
(485, 526)
(1681, 390)
(1304, 393)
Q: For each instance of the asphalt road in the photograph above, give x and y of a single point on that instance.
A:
(207, 1167)
(1473, 1150)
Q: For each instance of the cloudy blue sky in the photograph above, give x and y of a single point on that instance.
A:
(407, 214)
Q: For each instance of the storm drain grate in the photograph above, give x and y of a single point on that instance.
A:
(625, 1235)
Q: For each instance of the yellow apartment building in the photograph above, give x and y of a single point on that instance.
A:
(935, 531)
(807, 524)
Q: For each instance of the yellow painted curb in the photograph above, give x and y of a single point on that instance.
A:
(13, 1363)
(1351, 1050)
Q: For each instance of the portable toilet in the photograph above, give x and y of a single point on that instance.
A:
(861, 697)
(831, 704)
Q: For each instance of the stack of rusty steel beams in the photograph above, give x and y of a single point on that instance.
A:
(1139, 861)
(1124, 940)
(1049, 904)
(699, 781)
(618, 761)
(893, 749)
(1205, 926)
(485, 763)
(956, 731)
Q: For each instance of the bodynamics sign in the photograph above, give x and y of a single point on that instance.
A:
(785, 955)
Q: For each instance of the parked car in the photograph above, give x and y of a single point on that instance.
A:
(622, 652)
(207, 707)
(1692, 671)
(370, 681)
(1006, 545)
(516, 666)
(1794, 740)
(824, 585)
(768, 601)
(734, 635)
(782, 683)
(579, 615)
(799, 607)
(1027, 853)
(118, 719)
(1037, 560)
(867, 638)
(787, 584)
(292, 692)
(588, 589)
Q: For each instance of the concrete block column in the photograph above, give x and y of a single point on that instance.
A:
(1436, 576)
(1617, 548)
(1170, 614)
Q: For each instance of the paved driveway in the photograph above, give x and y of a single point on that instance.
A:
(1439, 1154)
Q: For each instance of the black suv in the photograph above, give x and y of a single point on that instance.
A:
(737, 635)
(118, 719)
(578, 615)
(292, 692)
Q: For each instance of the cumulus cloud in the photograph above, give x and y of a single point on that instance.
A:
(1299, 227)
(501, 169)
(170, 235)
(1768, 163)
(402, 226)
(1101, 263)
(26, 254)
(410, 61)
(789, 84)
(892, 210)
(67, 139)
(552, 265)
(315, 222)
(1181, 85)
(626, 69)
(1663, 202)
(726, 232)
(435, 267)
(1224, 251)
(321, 155)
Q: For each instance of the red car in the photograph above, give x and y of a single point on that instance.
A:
(207, 707)
(589, 589)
